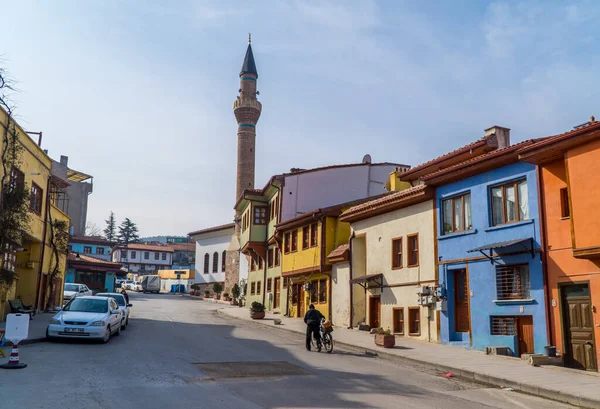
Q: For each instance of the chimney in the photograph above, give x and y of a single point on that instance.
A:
(502, 135)
(64, 160)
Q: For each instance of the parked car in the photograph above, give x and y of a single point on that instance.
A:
(89, 317)
(151, 284)
(73, 290)
(123, 306)
(137, 286)
(127, 284)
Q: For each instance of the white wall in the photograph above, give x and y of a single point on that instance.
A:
(340, 294)
(215, 243)
(139, 257)
(312, 190)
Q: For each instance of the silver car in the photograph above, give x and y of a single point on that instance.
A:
(88, 317)
(123, 306)
(73, 290)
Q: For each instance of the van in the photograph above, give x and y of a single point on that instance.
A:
(151, 284)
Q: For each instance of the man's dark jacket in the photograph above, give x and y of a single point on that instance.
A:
(313, 317)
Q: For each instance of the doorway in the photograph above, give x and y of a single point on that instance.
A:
(277, 290)
(579, 349)
(301, 297)
(525, 334)
(374, 311)
(461, 301)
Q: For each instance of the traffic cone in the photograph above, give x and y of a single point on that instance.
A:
(13, 360)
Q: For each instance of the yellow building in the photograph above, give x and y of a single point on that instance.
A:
(38, 263)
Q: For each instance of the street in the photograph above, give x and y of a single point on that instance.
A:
(163, 360)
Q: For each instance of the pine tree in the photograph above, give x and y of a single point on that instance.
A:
(128, 232)
(110, 233)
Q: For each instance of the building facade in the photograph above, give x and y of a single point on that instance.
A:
(94, 246)
(184, 256)
(569, 194)
(143, 259)
(97, 273)
(211, 254)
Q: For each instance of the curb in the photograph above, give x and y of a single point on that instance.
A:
(457, 372)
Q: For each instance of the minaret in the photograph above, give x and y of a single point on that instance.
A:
(247, 111)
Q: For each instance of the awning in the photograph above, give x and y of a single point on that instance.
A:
(365, 280)
(504, 244)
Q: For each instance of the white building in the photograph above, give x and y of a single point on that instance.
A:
(143, 258)
(211, 247)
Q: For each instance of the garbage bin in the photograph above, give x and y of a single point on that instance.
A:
(550, 351)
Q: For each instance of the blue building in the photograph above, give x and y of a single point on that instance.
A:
(93, 246)
(96, 273)
(489, 261)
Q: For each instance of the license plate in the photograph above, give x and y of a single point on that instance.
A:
(73, 329)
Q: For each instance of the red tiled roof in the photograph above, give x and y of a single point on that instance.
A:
(347, 165)
(183, 246)
(86, 259)
(389, 201)
(90, 240)
(146, 247)
(212, 229)
(339, 254)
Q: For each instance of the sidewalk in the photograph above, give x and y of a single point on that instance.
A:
(578, 388)
(37, 329)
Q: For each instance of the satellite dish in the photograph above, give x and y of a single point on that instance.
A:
(367, 159)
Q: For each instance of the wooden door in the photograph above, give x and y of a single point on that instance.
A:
(461, 301)
(525, 334)
(277, 291)
(578, 326)
(374, 312)
(301, 296)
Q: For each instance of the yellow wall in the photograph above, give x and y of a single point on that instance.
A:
(301, 259)
(323, 307)
(170, 274)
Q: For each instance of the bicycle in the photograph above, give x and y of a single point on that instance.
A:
(326, 338)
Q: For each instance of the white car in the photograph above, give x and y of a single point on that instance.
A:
(123, 306)
(127, 284)
(89, 317)
(73, 290)
(137, 286)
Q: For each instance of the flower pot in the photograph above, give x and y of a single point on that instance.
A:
(257, 315)
(386, 341)
(206, 295)
(225, 298)
(233, 302)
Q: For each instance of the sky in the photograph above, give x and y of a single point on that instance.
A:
(139, 93)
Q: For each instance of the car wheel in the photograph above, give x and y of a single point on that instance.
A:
(48, 337)
(119, 331)
(123, 324)
(107, 335)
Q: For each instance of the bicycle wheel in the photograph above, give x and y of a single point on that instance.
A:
(328, 343)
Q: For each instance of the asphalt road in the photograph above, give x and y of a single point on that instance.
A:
(180, 353)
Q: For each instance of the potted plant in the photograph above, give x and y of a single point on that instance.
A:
(217, 289)
(226, 296)
(257, 311)
(235, 293)
(206, 293)
(195, 289)
(385, 338)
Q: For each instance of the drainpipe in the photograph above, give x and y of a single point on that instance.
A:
(349, 281)
(39, 280)
(544, 255)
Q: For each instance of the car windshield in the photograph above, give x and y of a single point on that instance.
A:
(87, 305)
(117, 297)
(71, 287)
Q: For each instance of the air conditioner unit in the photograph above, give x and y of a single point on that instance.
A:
(425, 290)
(441, 306)
(430, 299)
(30, 264)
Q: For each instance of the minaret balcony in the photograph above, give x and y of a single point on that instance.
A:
(247, 103)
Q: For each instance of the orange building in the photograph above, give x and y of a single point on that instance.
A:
(568, 169)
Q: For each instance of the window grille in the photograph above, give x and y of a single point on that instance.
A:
(512, 282)
(504, 326)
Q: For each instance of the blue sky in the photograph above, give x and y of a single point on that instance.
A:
(139, 93)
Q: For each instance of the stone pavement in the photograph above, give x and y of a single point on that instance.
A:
(575, 387)
(37, 329)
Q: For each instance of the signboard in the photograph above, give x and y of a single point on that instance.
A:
(17, 327)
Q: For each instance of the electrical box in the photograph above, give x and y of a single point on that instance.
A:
(430, 299)
(30, 264)
(425, 290)
(440, 306)
(440, 291)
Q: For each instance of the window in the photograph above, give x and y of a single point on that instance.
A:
(206, 263)
(133, 254)
(260, 262)
(305, 237)
(414, 321)
(456, 214)
(99, 250)
(87, 250)
(156, 256)
(258, 287)
(314, 228)
(260, 215)
(287, 238)
(322, 291)
(269, 285)
(146, 255)
(252, 288)
(510, 203)
(413, 249)
(123, 254)
(503, 326)
(223, 259)
(17, 179)
(512, 282)
(294, 245)
(252, 264)
(35, 199)
(397, 253)
(215, 268)
(164, 256)
(313, 291)
(565, 212)
(285, 282)
(277, 257)
(398, 320)
(270, 257)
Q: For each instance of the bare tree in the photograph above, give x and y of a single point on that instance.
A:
(92, 229)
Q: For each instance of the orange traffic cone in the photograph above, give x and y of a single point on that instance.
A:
(13, 361)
